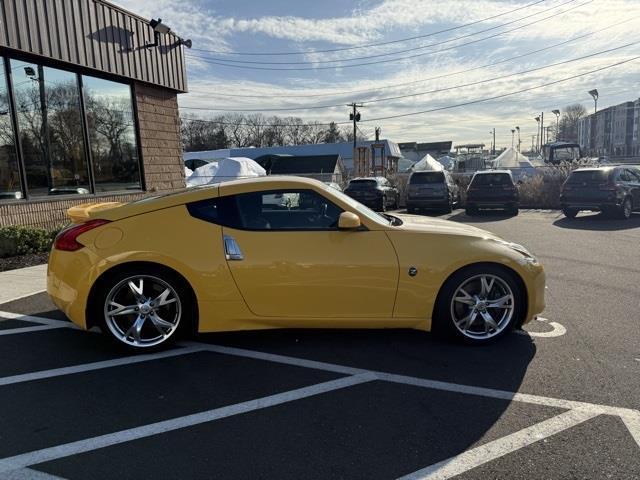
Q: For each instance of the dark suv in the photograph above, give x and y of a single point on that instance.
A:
(611, 190)
(432, 190)
(492, 189)
(376, 193)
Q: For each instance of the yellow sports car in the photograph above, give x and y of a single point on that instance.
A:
(279, 252)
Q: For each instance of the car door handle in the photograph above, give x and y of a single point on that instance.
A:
(232, 249)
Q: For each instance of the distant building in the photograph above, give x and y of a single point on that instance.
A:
(417, 151)
(326, 168)
(612, 132)
(374, 154)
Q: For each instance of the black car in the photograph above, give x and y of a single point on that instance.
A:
(613, 190)
(492, 189)
(432, 189)
(376, 193)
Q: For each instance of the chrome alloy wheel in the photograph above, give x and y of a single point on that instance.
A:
(482, 306)
(142, 311)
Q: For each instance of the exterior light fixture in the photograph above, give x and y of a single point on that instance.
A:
(557, 114)
(159, 28)
(187, 43)
(29, 72)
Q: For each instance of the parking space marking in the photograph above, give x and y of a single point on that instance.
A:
(26, 295)
(423, 382)
(88, 367)
(35, 328)
(558, 330)
(29, 474)
(39, 320)
(61, 451)
(632, 421)
(497, 448)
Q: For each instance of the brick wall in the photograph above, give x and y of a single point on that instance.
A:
(160, 142)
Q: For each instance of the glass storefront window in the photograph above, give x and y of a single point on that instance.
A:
(10, 188)
(51, 132)
(112, 137)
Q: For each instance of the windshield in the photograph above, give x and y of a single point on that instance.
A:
(422, 178)
(566, 153)
(360, 208)
(362, 184)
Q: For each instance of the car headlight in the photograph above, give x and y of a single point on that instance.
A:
(529, 257)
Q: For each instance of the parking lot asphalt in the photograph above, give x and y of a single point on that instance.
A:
(560, 400)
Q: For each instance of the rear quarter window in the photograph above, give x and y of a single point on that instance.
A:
(589, 176)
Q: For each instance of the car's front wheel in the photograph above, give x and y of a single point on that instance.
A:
(478, 304)
(143, 310)
(570, 212)
(626, 209)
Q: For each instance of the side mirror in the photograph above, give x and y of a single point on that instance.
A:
(348, 221)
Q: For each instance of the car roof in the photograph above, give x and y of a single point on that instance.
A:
(596, 169)
(486, 172)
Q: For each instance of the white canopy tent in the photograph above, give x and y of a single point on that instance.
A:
(513, 160)
(427, 163)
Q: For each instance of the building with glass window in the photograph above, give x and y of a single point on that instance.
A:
(88, 108)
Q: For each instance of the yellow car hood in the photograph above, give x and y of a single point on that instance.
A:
(416, 223)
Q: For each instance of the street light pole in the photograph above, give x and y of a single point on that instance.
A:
(557, 114)
(537, 119)
(595, 95)
(518, 130)
(512, 133)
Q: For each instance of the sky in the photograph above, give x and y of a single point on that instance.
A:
(307, 56)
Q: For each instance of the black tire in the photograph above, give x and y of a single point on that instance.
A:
(185, 305)
(626, 209)
(570, 212)
(443, 323)
(448, 208)
(513, 211)
(471, 211)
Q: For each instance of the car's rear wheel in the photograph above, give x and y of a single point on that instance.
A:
(144, 309)
(570, 212)
(471, 211)
(478, 304)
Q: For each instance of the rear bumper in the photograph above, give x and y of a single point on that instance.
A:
(427, 202)
(69, 279)
(590, 205)
(492, 203)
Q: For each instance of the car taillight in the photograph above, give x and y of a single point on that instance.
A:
(508, 187)
(66, 239)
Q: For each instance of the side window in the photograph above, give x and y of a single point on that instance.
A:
(286, 210)
(634, 175)
(623, 176)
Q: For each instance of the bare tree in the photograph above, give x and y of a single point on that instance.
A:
(569, 122)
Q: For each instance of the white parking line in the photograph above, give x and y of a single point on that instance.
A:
(35, 328)
(492, 450)
(39, 320)
(632, 421)
(88, 367)
(29, 474)
(20, 297)
(61, 451)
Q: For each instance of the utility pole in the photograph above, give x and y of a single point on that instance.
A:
(355, 117)
(493, 145)
(378, 130)
(541, 130)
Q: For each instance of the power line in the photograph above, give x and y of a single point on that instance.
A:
(495, 27)
(422, 80)
(437, 109)
(408, 57)
(354, 47)
(439, 90)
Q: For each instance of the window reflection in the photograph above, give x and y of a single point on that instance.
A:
(112, 136)
(9, 177)
(50, 123)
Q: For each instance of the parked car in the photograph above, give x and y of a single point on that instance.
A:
(376, 193)
(326, 262)
(612, 190)
(432, 189)
(492, 189)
